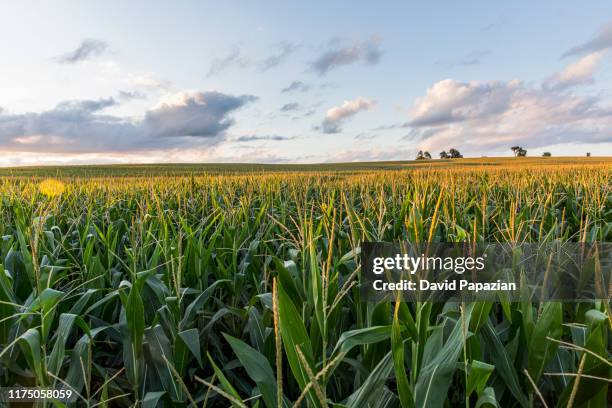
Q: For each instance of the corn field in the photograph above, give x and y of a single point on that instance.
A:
(241, 288)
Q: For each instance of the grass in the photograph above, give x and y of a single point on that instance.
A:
(225, 285)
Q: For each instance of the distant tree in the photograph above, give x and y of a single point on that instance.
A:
(427, 156)
(546, 154)
(588, 154)
(444, 155)
(455, 154)
(518, 151)
(420, 155)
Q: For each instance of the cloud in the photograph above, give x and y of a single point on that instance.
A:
(490, 115)
(390, 127)
(234, 58)
(471, 58)
(578, 73)
(601, 41)
(366, 136)
(187, 119)
(499, 22)
(450, 101)
(86, 106)
(131, 95)
(285, 50)
(149, 82)
(253, 138)
(336, 116)
(296, 86)
(200, 114)
(87, 49)
(367, 51)
(290, 107)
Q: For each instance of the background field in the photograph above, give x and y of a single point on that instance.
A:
(218, 285)
(215, 168)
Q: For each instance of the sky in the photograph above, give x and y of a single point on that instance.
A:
(85, 82)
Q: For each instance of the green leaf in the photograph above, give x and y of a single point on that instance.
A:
(373, 386)
(368, 335)
(541, 350)
(503, 363)
(134, 313)
(257, 367)
(66, 321)
(437, 371)
(161, 357)
(487, 399)
(151, 399)
(294, 334)
(478, 376)
(30, 346)
(191, 339)
(225, 384)
(397, 348)
(189, 315)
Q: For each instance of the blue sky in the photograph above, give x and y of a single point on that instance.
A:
(98, 82)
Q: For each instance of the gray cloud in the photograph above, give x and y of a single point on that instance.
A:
(234, 58)
(86, 106)
(390, 127)
(471, 58)
(290, 107)
(601, 41)
(201, 114)
(285, 49)
(296, 86)
(366, 136)
(187, 119)
(367, 51)
(87, 49)
(253, 138)
(499, 22)
(131, 95)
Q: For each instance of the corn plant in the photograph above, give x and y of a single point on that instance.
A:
(211, 286)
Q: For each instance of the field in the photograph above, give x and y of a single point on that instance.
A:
(237, 285)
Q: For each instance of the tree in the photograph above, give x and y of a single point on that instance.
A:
(588, 154)
(427, 155)
(518, 151)
(546, 154)
(420, 156)
(455, 154)
(444, 155)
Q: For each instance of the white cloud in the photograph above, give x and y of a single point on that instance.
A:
(481, 116)
(339, 114)
(578, 73)
(451, 101)
(148, 82)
